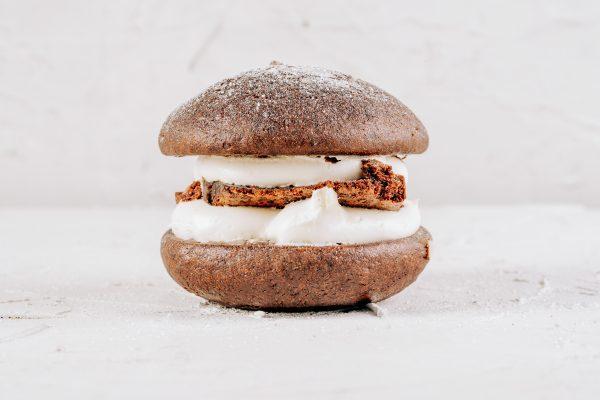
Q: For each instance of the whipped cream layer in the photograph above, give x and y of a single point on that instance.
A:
(319, 220)
(286, 170)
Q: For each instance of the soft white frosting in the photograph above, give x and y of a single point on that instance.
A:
(319, 220)
(285, 170)
(204, 223)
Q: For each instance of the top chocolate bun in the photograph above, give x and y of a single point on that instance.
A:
(288, 110)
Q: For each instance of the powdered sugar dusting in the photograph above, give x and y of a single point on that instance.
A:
(311, 81)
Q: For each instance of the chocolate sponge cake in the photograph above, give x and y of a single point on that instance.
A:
(285, 110)
(258, 275)
(299, 197)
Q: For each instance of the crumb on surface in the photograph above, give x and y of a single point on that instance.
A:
(376, 309)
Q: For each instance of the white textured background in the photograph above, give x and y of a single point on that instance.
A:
(509, 305)
(508, 90)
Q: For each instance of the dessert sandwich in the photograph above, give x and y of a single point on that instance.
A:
(299, 197)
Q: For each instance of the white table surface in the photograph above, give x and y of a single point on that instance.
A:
(508, 307)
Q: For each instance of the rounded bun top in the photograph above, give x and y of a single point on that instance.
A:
(288, 110)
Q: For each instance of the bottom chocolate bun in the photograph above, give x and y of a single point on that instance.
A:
(266, 276)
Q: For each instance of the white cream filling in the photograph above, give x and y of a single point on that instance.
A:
(319, 220)
(286, 170)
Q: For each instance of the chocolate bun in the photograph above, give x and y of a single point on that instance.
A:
(265, 276)
(287, 110)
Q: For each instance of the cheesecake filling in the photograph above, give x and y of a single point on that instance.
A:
(318, 220)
